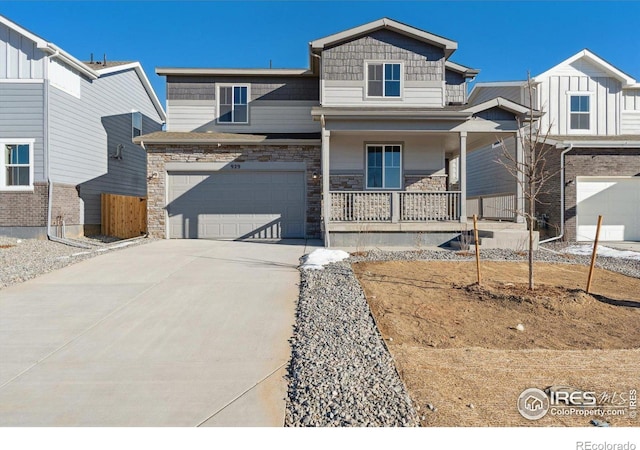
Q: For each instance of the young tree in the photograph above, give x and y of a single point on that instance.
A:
(530, 168)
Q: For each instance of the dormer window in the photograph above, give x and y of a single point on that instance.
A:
(579, 112)
(383, 79)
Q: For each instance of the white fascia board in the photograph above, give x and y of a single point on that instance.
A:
(232, 72)
(51, 49)
(500, 102)
(56, 52)
(145, 82)
(449, 45)
(596, 143)
(390, 114)
(615, 72)
(464, 70)
(23, 31)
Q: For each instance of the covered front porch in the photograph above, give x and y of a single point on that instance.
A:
(403, 177)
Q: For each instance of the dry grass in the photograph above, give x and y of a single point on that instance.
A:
(456, 344)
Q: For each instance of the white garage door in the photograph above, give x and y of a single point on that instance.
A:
(238, 204)
(617, 200)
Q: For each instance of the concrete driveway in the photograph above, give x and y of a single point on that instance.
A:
(171, 333)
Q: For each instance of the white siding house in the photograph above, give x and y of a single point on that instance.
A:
(592, 114)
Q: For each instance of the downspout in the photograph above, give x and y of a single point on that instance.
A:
(325, 204)
(47, 164)
(562, 176)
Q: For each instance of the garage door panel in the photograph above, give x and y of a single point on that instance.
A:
(617, 200)
(236, 204)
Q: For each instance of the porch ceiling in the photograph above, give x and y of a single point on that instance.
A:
(449, 140)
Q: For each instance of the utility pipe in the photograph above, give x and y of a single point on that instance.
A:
(562, 177)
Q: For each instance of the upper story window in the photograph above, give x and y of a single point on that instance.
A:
(16, 165)
(384, 166)
(383, 79)
(233, 106)
(579, 112)
(136, 124)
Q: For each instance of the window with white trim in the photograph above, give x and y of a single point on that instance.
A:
(136, 124)
(579, 112)
(383, 79)
(384, 166)
(16, 167)
(233, 104)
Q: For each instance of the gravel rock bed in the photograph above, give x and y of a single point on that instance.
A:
(23, 259)
(341, 373)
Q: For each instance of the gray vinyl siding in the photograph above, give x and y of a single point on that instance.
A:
(482, 94)
(264, 117)
(262, 88)
(423, 62)
(85, 132)
(22, 116)
(456, 87)
(485, 175)
(19, 56)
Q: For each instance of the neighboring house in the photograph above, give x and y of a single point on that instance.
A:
(592, 112)
(378, 127)
(65, 135)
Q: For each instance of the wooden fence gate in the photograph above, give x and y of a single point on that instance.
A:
(124, 216)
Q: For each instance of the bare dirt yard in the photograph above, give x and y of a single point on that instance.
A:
(460, 353)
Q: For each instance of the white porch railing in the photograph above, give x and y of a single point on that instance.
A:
(394, 206)
(493, 207)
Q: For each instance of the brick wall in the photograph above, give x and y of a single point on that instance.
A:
(581, 162)
(66, 205)
(24, 209)
(159, 155)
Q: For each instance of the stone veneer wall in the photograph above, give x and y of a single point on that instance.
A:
(160, 154)
(354, 182)
(425, 183)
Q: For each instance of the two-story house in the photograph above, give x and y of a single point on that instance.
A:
(592, 115)
(65, 135)
(368, 145)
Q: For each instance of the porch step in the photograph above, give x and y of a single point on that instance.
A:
(507, 239)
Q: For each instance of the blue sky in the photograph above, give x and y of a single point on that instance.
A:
(503, 39)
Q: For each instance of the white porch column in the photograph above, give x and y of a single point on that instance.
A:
(326, 199)
(520, 183)
(462, 176)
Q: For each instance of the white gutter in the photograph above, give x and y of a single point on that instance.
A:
(562, 176)
(56, 52)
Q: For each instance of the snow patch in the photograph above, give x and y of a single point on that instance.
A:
(602, 251)
(317, 259)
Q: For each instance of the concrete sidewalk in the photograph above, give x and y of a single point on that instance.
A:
(172, 333)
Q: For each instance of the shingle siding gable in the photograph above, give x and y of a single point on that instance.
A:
(423, 62)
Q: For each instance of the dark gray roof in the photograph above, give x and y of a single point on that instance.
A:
(187, 136)
(97, 65)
